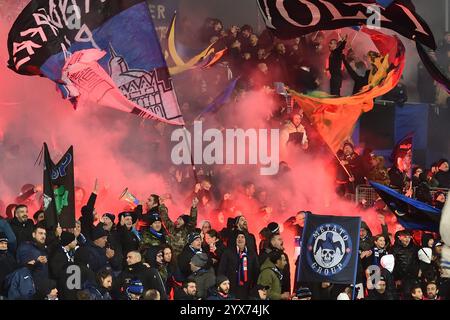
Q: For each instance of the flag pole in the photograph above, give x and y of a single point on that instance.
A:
(356, 263)
(194, 169)
(329, 147)
(356, 35)
(346, 170)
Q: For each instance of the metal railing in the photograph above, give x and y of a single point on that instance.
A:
(368, 195)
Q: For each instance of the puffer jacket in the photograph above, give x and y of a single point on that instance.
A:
(177, 237)
(31, 251)
(406, 261)
(22, 231)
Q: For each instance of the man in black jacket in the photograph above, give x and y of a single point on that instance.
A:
(68, 285)
(193, 247)
(187, 292)
(240, 265)
(128, 236)
(359, 80)
(114, 241)
(379, 292)
(21, 225)
(335, 65)
(63, 254)
(406, 260)
(137, 270)
(276, 243)
(89, 214)
(443, 175)
(214, 247)
(153, 202)
(101, 257)
(241, 226)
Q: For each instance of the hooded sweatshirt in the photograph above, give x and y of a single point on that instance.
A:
(387, 268)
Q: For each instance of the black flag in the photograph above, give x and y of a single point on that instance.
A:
(329, 251)
(293, 18)
(59, 196)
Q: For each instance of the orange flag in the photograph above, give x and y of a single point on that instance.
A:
(335, 118)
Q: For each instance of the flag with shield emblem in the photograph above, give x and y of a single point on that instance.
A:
(329, 250)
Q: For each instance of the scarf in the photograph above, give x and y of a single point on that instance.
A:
(222, 295)
(69, 254)
(195, 251)
(81, 239)
(243, 266)
(137, 234)
(377, 255)
(159, 235)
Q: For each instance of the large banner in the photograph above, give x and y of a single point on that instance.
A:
(162, 12)
(59, 195)
(48, 32)
(329, 251)
(293, 18)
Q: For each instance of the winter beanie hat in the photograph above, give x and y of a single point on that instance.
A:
(192, 236)
(200, 260)
(66, 238)
(273, 227)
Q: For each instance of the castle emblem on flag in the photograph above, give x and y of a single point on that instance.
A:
(139, 86)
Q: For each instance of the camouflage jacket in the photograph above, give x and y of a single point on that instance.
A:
(150, 240)
(177, 237)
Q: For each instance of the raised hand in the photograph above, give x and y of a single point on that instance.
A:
(95, 191)
(195, 202)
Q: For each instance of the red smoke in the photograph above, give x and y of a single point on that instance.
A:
(119, 150)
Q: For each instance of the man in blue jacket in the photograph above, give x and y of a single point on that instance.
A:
(34, 255)
(9, 233)
(101, 256)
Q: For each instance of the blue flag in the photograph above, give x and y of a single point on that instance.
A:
(410, 213)
(329, 251)
(220, 99)
(385, 3)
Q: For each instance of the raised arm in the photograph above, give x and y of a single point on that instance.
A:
(87, 213)
(164, 214)
(193, 220)
(350, 70)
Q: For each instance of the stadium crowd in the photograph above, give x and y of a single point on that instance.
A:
(143, 254)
